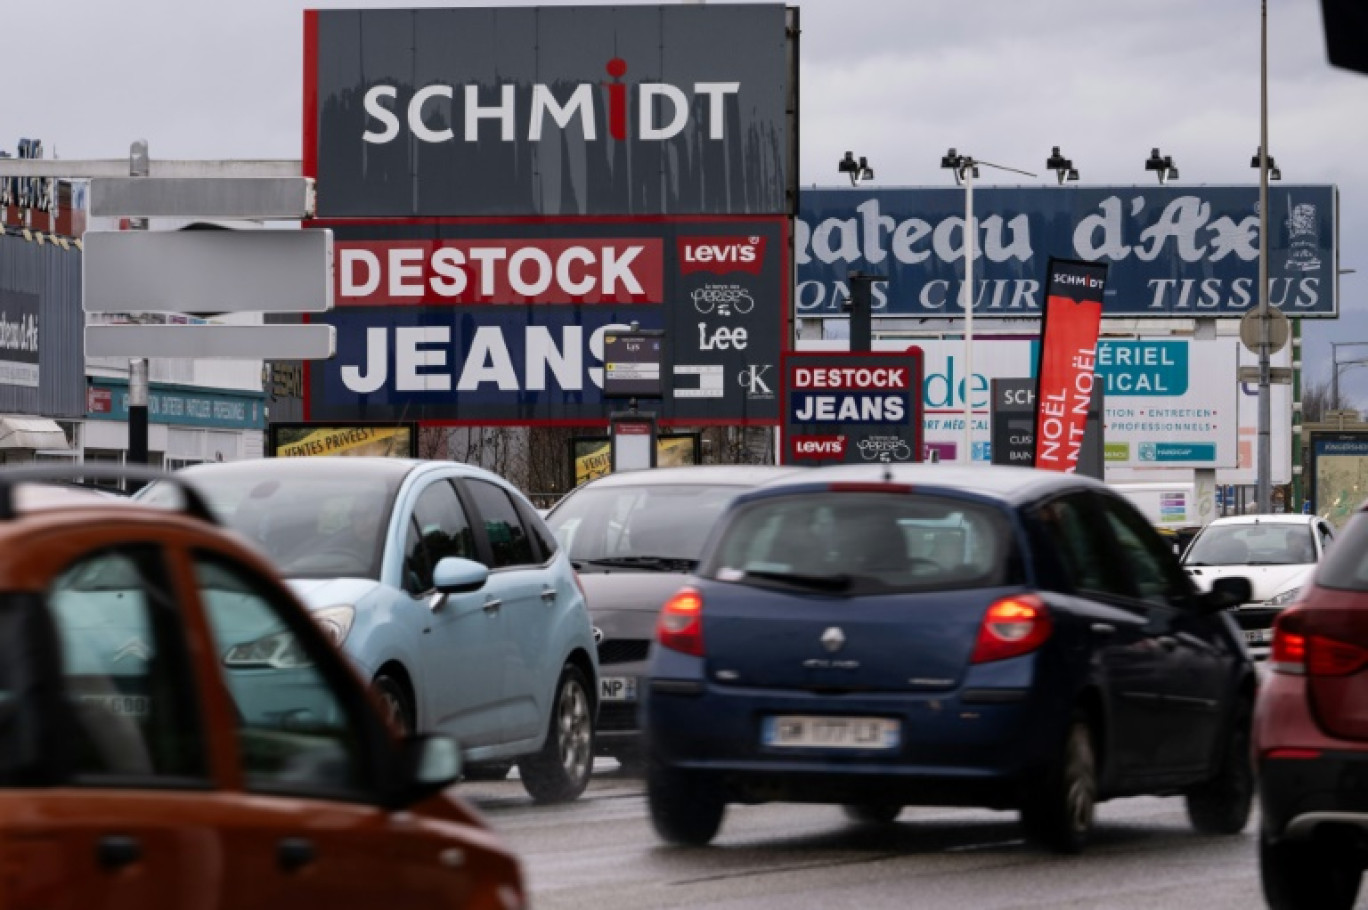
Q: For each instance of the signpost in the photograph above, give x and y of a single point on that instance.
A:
(631, 363)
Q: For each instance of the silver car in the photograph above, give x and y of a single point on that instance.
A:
(633, 537)
(444, 587)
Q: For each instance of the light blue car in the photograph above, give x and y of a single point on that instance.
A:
(442, 584)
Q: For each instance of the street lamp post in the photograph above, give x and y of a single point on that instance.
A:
(1336, 367)
(1264, 470)
(966, 168)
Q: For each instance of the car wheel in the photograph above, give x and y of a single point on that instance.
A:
(560, 771)
(872, 813)
(487, 771)
(1307, 874)
(1059, 814)
(1222, 804)
(686, 809)
(395, 704)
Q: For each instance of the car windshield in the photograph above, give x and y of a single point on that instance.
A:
(320, 524)
(651, 526)
(867, 543)
(1263, 544)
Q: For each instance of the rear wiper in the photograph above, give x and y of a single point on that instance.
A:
(816, 582)
(650, 563)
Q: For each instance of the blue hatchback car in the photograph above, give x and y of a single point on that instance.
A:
(443, 586)
(882, 636)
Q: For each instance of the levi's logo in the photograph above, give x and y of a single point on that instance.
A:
(819, 447)
(721, 254)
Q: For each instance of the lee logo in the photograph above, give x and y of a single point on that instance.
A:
(721, 254)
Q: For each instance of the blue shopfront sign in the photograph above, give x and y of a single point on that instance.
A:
(1172, 251)
(107, 399)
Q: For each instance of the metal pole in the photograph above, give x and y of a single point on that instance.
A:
(1265, 466)
(968, 309)
(1334, 377)
(138, 166)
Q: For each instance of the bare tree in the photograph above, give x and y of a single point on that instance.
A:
(1318, 399)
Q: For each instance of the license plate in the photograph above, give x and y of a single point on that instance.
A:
(618, 688)
(808, 732)
(126, 705)
(1258, 636)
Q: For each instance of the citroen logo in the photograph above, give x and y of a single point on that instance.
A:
(833, 639)
(135, 648)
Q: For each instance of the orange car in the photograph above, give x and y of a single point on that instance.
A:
(128, 778)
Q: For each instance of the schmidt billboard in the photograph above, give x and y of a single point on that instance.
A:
(535, 111)
(1171, 251)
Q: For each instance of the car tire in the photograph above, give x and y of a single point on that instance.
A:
(686, 809)
(395, 703)
(560, 771)
(1307, 875)
(1058, 814)
(1222, 804)
(872, 813)
(487, 771)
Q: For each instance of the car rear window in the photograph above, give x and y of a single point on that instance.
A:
(867, 542)
(1345, 565)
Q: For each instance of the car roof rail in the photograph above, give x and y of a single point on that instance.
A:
(80, 475)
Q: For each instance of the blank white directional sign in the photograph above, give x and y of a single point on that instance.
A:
(286, 271)
(247, 342)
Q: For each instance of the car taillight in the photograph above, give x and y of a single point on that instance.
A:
(1012, 627)
(1288, 653)
(1330, 657)
(680, 627)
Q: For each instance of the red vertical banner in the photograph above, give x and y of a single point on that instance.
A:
(1068, 353)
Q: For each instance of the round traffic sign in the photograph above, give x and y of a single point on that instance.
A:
(1278, 330)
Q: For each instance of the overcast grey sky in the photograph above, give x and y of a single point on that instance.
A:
(899, 81)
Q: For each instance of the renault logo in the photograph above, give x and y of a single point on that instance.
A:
(833, 639)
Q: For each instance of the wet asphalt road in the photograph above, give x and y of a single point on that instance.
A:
(600, 853)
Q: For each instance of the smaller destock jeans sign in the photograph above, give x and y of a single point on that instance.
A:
(852, 407)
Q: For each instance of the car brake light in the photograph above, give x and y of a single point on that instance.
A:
(680, 627)
(1012, 627)
(1295, 754)
(1288, 652)
(1329, 657)
(857, 486)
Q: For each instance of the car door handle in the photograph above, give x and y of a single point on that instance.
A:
(492, 605)
(295, 853)
(1103, 628)
(548, 594)
(115, 851)
(1167, 642)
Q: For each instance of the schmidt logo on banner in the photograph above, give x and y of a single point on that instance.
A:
(544, 115)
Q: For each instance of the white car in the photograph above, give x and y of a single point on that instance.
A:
(1277, 553)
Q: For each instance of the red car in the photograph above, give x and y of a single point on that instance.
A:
(1311, 736)
(129, 776)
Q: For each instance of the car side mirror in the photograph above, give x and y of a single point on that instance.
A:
(456, 575)
(1229, 592)
(430, 763)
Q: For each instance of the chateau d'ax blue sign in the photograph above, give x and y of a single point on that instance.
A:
(1173, 252)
